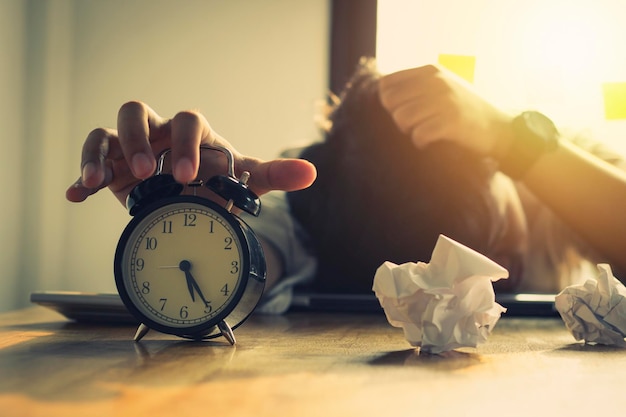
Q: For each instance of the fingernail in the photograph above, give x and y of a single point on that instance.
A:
(184, 170)
(142, 165)
(77, 192)
(89, 170)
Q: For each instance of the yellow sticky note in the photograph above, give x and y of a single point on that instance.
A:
(461, 65)
(614, 100)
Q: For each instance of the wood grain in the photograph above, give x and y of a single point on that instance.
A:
(300, 364)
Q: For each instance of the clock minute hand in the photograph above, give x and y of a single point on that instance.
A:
(197, 288)
(192, 284)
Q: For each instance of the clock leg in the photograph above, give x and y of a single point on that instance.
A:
(142, 330)
(227, 332)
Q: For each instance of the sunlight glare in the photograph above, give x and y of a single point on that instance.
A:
(550, 55)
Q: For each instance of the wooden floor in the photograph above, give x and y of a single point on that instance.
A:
(301, 365)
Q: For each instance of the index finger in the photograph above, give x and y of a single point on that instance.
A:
(399, 87)
(402, 76)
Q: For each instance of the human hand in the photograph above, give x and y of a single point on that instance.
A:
(431, 104)
(120, 159)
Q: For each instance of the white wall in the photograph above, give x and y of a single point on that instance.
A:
(11, 107)
(254, 68)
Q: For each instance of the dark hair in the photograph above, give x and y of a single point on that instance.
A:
(378, 198)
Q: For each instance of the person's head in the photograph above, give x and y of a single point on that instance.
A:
(379, 198)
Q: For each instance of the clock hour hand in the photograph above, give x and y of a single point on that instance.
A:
(185, 266)
(192, 284)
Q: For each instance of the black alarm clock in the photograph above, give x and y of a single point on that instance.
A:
(186, 265)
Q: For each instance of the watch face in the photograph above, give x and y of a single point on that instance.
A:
(540, 125)
(182, 265)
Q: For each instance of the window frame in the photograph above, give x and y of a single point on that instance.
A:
(352, 36)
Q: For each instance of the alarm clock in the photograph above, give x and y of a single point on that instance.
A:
(186, 265)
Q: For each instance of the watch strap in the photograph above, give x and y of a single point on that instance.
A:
(534, 135)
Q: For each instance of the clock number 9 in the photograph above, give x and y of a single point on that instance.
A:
(139, 264)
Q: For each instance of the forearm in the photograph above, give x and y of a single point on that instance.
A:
(586, 193)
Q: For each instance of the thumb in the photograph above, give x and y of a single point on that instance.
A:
(279, 174)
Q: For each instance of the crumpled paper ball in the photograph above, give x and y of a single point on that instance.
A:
(445, 304)
(596, 310)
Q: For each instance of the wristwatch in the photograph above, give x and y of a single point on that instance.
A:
(534, 135)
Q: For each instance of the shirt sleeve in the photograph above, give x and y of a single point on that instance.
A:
(276, 226)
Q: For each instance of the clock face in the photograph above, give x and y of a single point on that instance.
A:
(182, 265)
